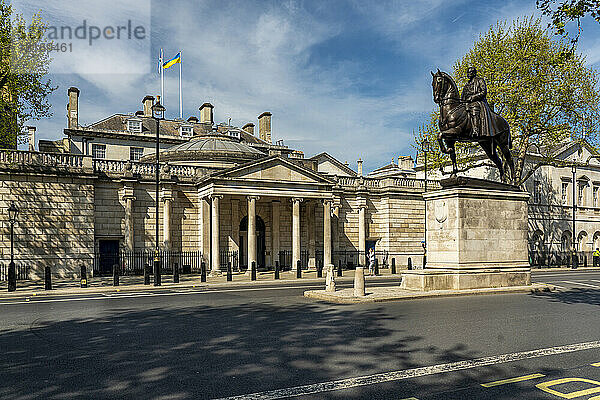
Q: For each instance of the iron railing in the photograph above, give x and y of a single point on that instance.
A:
(133, 262)
(22, 272)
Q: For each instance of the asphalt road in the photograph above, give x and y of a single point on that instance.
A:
(221, 343)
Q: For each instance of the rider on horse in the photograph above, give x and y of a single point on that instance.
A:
(474, 95)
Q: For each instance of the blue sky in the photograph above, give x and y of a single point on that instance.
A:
(348, 77)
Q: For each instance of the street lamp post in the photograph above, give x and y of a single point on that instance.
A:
(12, 272)
(158, 113)
(574, 254)
(425, 151)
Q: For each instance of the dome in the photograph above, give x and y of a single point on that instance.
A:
(210, 147)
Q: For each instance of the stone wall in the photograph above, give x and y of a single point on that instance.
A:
(55, 222)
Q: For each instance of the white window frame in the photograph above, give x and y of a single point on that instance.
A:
(564, 192)
(595, 195)
(537, 191)
(98, 151)
(581, 194)
(138, 125)
(182, 128)
(131, 153)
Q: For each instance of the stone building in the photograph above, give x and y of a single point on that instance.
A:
(224, 191)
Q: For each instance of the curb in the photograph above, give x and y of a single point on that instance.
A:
(408, 295)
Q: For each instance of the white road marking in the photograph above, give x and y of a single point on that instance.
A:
(411, 373)
(582, 284)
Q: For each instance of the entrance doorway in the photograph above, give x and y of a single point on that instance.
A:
(260, 242)
(108, 256)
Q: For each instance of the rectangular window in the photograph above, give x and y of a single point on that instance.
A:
(563, 193)
(537, 191)
(186, 131)
(135, 153)
(134, 126)
(595, 195)
(580, 193)
(98, 150)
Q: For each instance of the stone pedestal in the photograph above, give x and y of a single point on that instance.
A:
(476, 237)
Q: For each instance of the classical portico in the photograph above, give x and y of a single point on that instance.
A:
(276, 195)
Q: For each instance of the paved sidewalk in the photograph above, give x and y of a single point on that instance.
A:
(136, 283)
(395, 293)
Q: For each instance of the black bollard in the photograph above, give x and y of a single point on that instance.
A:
(229, 272)
(12, 277)
(147, 274)
(175, 273)
(253, 271)
(409, 263)
(48, 278)
(584, 261)
(83, 277)
(339, 269)
(393, 266)
(298, 270)
(276, 269)
(202, 271)
(115, 274)
(376, 266)
(157, 277)
(320, 269)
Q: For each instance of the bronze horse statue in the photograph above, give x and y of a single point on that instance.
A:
(456, 126)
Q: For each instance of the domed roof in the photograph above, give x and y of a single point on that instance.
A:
(214, 146)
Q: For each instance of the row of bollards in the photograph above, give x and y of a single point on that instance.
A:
(151, 270)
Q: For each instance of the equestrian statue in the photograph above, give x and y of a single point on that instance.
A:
(468, 118)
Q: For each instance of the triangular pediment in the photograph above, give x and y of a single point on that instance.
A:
(274, 169)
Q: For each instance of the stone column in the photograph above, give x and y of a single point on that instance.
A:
(128, 198)
(214, 251)
(310, 226)
(326, 232)
(167, 208)
(235, 226)
(335, 227)
(204, 228)
(361, 233)
(275, 231)
(251, 231)
(295, 231)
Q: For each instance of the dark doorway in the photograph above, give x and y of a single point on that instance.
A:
(260, 242)
(108, 256)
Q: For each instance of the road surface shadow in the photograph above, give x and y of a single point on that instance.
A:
(572, 296)
(204, 352)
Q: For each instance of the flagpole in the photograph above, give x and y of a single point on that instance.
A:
(180, 94)
(162, 77)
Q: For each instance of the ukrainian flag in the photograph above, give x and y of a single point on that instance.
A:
(173, 61)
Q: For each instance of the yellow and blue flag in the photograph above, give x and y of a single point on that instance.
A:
(173, 61)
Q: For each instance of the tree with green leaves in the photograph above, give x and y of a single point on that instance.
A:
(545, 97)
(564, 12)
(24, 61)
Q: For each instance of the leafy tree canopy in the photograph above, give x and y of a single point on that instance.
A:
(545, 97)
(566, 11)
(24, 61)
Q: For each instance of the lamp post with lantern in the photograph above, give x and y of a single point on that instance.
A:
(12, 271)
(158, 114)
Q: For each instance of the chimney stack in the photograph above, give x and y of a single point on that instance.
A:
(31, 131)
(206, 113)
(148, 102)
(405, 162)
(73, 108)
(264, 126)
(249, 127)
(360, 171)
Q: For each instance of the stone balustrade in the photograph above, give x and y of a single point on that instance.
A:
(18, 158)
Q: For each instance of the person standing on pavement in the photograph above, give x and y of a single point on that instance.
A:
(596, 257)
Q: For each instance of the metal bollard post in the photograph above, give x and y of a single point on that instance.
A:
(584, 261)
(147, 274)
(12, 277)
(298, 270)
(276, 269)
(175, 273)
(253, 271)
(376, 266)
(229, 272)
(320, 269)
(115, 274)
(48, 278)
(339, 269)
(157, 278)
(409, 263)
(83, 277)
(202, 271)
(393, 266)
